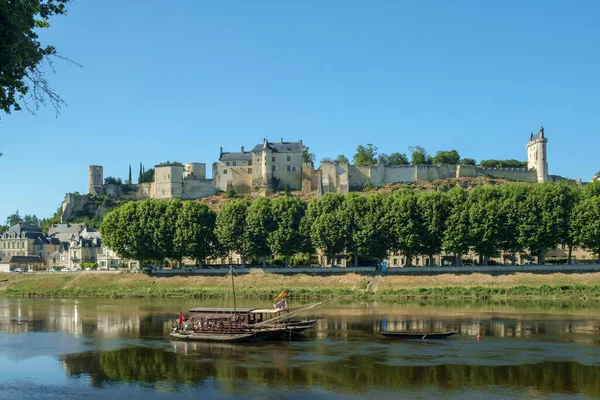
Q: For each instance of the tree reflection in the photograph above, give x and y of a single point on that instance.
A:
(231, 364)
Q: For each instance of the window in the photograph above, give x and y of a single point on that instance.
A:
(234, 163)
(293, 169)
(224, 172)
(249, 170)
(168, 176)
(289, 158)
(250, 162)
(395, 261)
(402, 261)
(273, 168)
(289, 168)
(273, 159)
(227, 163)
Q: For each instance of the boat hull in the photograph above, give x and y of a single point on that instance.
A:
(417, 335)
(231, 337)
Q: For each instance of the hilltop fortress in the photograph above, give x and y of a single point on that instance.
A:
(273, 166)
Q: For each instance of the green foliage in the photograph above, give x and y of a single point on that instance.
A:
(485, 205)
(368, 186)
(195, 231)
(307, 156)
(284, 239)
(45, 223)
(171, 163)
(366, 235)
(14, 219)
(592, 189)
(328, 229)
(419, 156)
(231, 227)
(89, 265)
(129, 181)
(467, 161)
(446, 157)
(146, 176)
(397, 159)
(231, 192)
(342, 159)
(23, 56)
(503, 164)
(456, 236)
(365, 155)
(259, 225)
(405, 223)
(586, 223)
(110, 180)
(434, 208)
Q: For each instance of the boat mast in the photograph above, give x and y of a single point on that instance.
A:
(233, 290)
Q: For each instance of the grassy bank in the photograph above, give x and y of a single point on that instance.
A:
(263, 285)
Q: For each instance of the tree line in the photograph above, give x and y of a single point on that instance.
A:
(488, 219)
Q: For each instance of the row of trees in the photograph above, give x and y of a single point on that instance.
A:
(368, 155)
(488, 219)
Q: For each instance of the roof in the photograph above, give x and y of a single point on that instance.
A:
(21, 259)
(539, 135)
(236, 155)
(220, 310)
(280, 147)
(31, 231)
(65, 228)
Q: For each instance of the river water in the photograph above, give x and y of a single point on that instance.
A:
(119, 348)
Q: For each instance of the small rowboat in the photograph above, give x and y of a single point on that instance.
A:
(417, 335)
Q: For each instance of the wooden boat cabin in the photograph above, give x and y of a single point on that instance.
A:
(230, 316)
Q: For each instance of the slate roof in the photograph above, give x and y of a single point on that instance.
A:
(280, 147)
(235, 156)
(66, 228)
(31, 231)
(21, 259)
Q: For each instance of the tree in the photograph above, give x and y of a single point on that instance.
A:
(259, 225)
(512, 212)
(446, 157)
(195, 231)
(129, 181)
(419, 156)
(405, 221)
(147, 176)
(467, 161)
(397, 159)
(456, 237)
(141, 173)
(484, 216)
(365, 155)
(285, 239)
(14, 219)
(503, 164)
(541, 225)
(592, 189)
(231, 227)
(567, 198)
(434, 208)
(328, 229)
(110, 180)
(342, 159)
(587, 223)
(31, 220)
(307, 156)
(23, 58)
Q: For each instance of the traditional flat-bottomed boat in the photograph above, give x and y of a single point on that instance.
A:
(417, 335)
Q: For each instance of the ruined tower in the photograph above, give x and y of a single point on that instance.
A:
(536, 155)
(95, 180)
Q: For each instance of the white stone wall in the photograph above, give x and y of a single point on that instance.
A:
(168, 182)
(196, 188)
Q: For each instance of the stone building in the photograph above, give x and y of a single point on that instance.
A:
(27, 240)
(268, 167)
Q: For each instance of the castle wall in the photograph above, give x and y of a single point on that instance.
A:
(358, 176)
(515, 174)
(310, 177)
(195, 171)
(168, 182)
(399, 174)
(196, 188)
(288, 169)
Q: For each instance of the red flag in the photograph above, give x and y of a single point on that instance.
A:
(180, 318)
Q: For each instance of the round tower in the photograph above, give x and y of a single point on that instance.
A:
(536, 155)
(195, 171)
(95, 180)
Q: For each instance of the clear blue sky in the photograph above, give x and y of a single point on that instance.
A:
(177, 80)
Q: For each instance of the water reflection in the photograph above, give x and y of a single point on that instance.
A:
(193, 363)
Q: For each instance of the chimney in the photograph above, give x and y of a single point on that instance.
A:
(281, 140)
(242, 149)
(221, 151)
(300, 142)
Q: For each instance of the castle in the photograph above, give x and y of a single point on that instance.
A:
(272, 166)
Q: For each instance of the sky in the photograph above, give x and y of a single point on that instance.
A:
(174, 81)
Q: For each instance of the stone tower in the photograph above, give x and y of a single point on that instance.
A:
(168, 181)
(95, 180)
(536, 155)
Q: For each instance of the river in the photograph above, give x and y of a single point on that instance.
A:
(119, 348)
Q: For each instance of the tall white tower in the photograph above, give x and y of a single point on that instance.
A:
(536, 155)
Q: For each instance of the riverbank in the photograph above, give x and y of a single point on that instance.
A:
(258, 284)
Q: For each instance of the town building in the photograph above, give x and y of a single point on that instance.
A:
(27, 240)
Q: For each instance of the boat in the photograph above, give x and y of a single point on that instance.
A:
(418, 335)
(243, 324)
